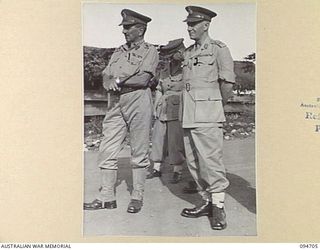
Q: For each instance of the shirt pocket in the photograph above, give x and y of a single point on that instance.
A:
(205, 59)
(173, 103)
(134, 59)
(204, 65)
(208, 105)
(130, 65)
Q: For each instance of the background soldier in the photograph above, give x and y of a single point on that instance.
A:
(127, 77)
(208, 76)
(167, 133)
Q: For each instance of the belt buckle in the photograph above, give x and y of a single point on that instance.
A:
(188, 87)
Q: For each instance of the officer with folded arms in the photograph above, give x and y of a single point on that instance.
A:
(208, 75)
(127, 78)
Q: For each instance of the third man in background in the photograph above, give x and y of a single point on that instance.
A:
(167, 133)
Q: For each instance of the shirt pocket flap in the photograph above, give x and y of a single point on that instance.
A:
(207, 59)
(174, 99)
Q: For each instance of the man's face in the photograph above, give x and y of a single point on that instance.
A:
(197, 29)
(132, 33)
(178, 56)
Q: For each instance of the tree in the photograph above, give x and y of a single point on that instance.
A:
(94, 62)
(245, 73)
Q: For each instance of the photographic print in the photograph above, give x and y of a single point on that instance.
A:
(169, 119)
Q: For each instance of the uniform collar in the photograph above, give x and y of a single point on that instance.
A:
(133, 45)
(203, 45)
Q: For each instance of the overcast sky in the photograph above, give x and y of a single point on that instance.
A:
(234, 25)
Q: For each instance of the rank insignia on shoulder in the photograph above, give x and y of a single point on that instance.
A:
(190, 47)
(219, 43)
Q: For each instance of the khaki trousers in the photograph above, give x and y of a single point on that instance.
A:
(167, 136)
(131, 113)
(203, 146)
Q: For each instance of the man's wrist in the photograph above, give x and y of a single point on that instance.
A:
(119, 82)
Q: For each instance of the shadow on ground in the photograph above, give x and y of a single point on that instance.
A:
(125, 173)
(242, 192)
(239, 188)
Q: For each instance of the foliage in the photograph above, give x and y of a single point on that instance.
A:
(251, 57)
(96, 59)
(94, 62)
(245, 78)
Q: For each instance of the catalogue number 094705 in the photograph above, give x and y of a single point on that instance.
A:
(308, 246)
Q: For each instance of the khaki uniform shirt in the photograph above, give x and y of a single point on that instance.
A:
(170, 87)
(202, 68)
(125, 61)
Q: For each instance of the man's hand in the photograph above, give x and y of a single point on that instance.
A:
(226, 90)
(111, 84)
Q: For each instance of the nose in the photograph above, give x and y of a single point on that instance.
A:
(124, 31)
(190, 27)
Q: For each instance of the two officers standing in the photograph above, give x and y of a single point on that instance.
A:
(207, 81)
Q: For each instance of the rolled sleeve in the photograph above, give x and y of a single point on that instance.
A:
(225, 65)
(150, 61)
(107, 71)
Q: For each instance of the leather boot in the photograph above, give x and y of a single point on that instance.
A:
(97, 204)
(203, 210)
(154, 173)
(106, 198)
(176, 178)
(134, 206)
(177, 174)
(218, 219)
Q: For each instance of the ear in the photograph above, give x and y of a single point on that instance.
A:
(206, 26)
(141, 30)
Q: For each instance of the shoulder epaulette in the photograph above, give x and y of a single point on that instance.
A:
(147, 45)
(117, 49)
(190, 47)
(218, 43)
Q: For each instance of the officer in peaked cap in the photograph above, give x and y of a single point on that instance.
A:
(172, 47)
(131, 17)
(198, 14)
(208, 77)
(127, 78)
(167, 134)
